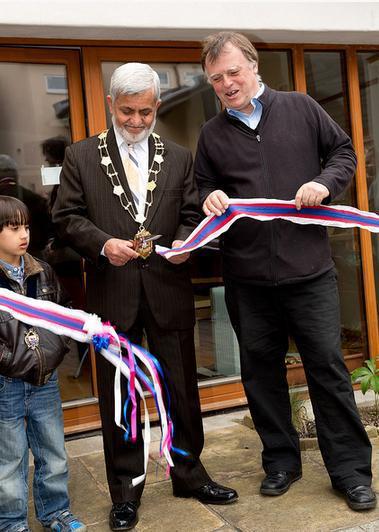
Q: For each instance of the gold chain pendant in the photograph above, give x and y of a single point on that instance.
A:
(141, 246)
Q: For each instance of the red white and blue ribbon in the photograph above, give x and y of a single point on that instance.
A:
(88, 328)
(271, 209)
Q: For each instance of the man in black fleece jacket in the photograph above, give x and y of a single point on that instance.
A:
(279, 276)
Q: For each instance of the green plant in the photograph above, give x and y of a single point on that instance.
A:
(368, 378)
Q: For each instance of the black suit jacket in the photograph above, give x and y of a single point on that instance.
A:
(87, 213)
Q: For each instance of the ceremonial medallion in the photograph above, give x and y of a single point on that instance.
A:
(143, 240)
(143, 245)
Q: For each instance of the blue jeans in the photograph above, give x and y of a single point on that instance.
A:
(31, 416)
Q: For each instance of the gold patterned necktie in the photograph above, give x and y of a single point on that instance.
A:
(132, 173)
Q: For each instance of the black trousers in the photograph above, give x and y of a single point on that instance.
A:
(263, 318)
(175, 351)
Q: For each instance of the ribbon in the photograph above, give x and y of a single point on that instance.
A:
(88, 328)
(271, 209)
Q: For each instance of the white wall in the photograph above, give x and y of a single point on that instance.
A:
(302, 21)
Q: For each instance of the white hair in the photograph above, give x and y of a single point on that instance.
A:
(134, 78)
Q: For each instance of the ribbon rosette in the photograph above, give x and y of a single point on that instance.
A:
(88, 328)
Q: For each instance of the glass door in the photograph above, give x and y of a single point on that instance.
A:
(187, 102)
(326, 80)
(368, 65)
(42, 113)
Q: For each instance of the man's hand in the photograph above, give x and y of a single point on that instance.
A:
(216, 203)
(310, 194)
(119, 252)
(178, 259)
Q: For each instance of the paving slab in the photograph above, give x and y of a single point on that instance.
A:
(160, 511)
(88, 500)
(353, 529)
(310, 505)
(102, 526)
(237, 453)
(94, 463)
(232, 455)
(371, 527)
(225, 528)
(84, 446)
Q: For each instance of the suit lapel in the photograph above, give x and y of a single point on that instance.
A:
(117, 163)
(161, 180)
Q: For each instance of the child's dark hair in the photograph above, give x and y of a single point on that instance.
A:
(12, 212)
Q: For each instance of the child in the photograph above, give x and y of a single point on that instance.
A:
(30, 404)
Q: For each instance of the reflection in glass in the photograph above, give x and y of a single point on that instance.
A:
(34, 132)
(326, 83)
(368, 65)
(275, 67)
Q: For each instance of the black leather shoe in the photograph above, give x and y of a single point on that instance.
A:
(210, 493)
(278, 482)
(360, 498)
(123, 516)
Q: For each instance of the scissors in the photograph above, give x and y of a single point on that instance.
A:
(152, 237)
(143, 243)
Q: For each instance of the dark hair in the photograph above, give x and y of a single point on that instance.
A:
(53, 148)
(12, 212)
(213, 45)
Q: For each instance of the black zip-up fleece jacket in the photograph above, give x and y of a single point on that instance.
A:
(17, 360)
(296, 141)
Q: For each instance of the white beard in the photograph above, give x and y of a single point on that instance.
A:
(133, 138)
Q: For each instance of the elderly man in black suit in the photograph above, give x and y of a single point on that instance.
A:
(124, 184)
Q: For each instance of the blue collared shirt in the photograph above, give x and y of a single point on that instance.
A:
(16, 273)
(252, 120)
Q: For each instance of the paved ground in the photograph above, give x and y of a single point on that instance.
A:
(232, 456)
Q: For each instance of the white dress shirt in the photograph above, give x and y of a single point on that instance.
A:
(141, 154)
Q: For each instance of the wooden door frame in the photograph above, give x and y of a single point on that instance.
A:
(71, 60)
(82, 415)
(363, 203)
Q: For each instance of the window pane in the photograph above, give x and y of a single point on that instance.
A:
(34, 131)
(326, 83)
(368, 64)
(276, 69)
(187, 100)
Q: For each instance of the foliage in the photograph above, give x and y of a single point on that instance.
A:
(368, 377)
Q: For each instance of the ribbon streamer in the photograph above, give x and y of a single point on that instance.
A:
(88, 328)
(271, 209)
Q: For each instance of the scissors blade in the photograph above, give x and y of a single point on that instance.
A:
(153, 237)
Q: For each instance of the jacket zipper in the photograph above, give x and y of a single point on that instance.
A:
(272, 235)
(40, 357)
(36, 350)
